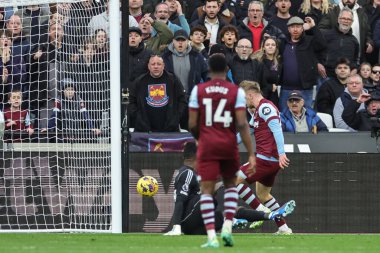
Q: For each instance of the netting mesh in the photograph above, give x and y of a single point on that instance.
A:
(54, 101)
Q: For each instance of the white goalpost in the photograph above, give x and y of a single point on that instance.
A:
(60, 164)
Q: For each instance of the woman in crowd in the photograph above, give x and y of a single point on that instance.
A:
(269, 57)
(314, 9)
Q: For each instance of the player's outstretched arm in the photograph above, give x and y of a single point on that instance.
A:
(275, 127)
(243, 128)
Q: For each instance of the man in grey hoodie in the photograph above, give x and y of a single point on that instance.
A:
(352, 92)
(185, 63)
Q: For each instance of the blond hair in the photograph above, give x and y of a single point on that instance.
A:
(306, 6)
(250, 86)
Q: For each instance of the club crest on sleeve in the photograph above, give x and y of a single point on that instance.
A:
(185, 187)
(266, 110)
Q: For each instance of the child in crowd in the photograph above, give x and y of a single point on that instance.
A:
(70, 113)
(17, 119)
(229, 37)
(198, 40)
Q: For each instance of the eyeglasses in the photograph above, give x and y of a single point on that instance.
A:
(346, 19)
(376, 72)
(294, 100)
(255, 10)
(244, 47)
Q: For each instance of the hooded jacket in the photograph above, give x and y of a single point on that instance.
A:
(198, 66)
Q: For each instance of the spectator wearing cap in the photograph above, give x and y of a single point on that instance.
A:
(360, 25)
(351, 92)
(364, 119)
(158, 40)
(254, 27)
(138, 54)
(162, 14)
(156, 100)
(297, 118)
(186, 64)
(333, 88)
(197, 40)
(242, 66)
(340, 43)
(299, 54)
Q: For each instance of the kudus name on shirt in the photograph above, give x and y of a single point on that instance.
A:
(216, 89)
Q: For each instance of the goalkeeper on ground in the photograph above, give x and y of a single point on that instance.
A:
(187, 216)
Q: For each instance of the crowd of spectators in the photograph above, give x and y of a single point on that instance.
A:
(325, 52)
(309, 57)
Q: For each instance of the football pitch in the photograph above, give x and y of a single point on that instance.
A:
(157, 243)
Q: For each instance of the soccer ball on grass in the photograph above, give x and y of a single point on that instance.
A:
(147, 186)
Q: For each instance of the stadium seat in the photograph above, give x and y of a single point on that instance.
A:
(326, 118)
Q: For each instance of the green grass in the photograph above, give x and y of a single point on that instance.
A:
(156, 243)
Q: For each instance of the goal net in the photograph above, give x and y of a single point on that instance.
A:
(55, 169)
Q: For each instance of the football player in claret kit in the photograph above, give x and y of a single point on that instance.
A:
(216, 112)
(187, 215)
(270, 154)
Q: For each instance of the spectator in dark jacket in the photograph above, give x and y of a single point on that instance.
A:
(229, 36)
(269, 57)
(242, 66)
(331, 90)
(198, 40)
(314, 9)
(365, 72)
(298, 118)
(12, 68)
(365, 119)
(157, 100)
(21, 44)
(362, 30)
(341, 42)
(300, 55)
(374, 80)
(186, 64)
(138, 54)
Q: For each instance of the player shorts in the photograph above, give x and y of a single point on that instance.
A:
(266, 172)
(210, 170)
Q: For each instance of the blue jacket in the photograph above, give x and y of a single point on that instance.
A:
(312, 119)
